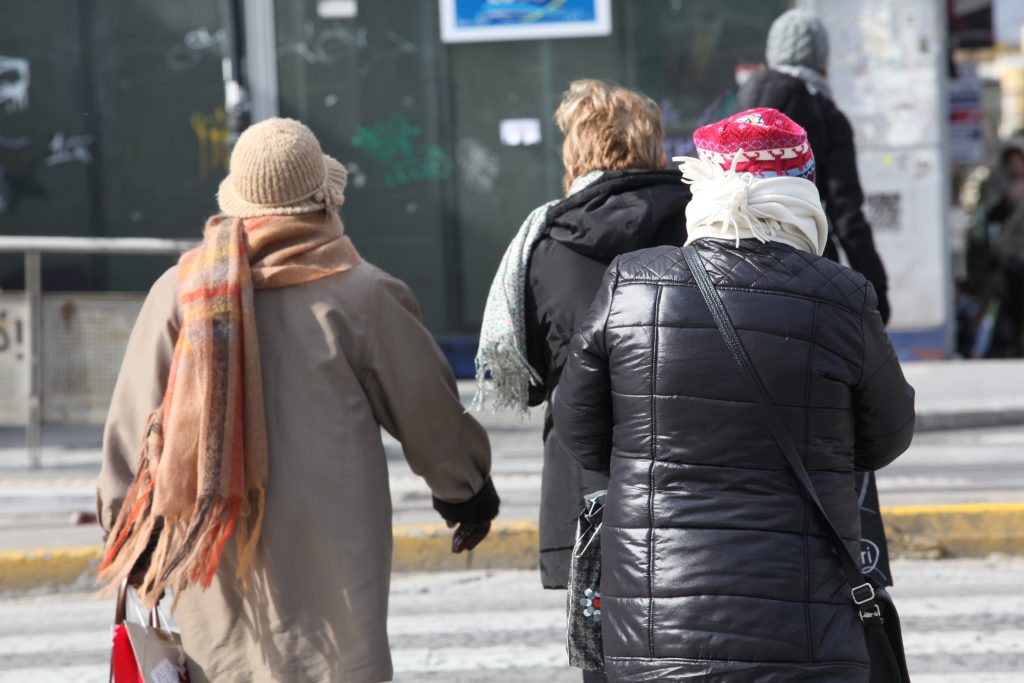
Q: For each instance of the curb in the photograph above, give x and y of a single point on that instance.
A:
(965, 530)
(427, 547)
(929, 531)
(40, 567)
(942, 420)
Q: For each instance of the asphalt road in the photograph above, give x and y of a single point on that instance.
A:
(960, 466)
(963, 622)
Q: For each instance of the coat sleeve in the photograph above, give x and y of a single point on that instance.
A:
(138, 392)
(413, 394)
(844, 200)
(582, 404)
(883, 400)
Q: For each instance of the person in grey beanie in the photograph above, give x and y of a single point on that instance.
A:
(795, 83)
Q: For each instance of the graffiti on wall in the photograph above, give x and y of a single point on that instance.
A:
(326, 46)
(394, 145)
(211, 131)
(66, 149)
(12, 335)
(317, 46)
(14, 81)
(479, 167)
(197, 43)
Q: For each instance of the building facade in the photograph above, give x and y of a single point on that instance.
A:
(112, 120)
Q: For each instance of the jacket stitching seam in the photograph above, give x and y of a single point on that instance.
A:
(728, 288)
(833, 662)
(691, 527)
(580, 411)
(895, 431)
(555, 550)
(608, 315)
(844, 604)
(730, 400)
(650, 476)
(745, 329)
(888, 359)
(624, 454)
(863, 341)
(807, 427)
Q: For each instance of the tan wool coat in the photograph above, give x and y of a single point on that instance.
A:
(341, 357)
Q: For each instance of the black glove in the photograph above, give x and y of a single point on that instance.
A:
(468, 536)
(472, 517)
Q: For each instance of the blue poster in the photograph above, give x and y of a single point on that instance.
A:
(483, 20)
(498, 13)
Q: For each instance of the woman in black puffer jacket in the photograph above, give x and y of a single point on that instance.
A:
(715, 567)
(619, 197)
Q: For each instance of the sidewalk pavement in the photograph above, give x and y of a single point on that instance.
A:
(953, 494)
(967, 394)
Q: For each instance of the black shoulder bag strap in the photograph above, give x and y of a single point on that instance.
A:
(862, 591)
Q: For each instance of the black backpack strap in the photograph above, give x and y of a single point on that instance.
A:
(862, 591)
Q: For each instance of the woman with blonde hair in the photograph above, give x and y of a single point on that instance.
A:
(255, 384)
(618, 198)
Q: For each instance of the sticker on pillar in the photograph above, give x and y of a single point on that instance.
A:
(520, 132)
(477, 21)
(15, 359)
(337, 9)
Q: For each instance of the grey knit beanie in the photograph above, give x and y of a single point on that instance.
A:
(798, 38)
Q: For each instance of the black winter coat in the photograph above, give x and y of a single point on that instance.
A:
(831, 138)
(620, 212)
(715, 568)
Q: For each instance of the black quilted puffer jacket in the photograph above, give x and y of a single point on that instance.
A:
(715, 567)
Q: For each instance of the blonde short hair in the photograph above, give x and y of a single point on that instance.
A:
(608, 128)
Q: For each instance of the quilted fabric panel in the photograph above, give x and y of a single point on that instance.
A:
(770, 267)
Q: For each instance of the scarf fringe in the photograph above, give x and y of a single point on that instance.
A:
(247, 549)
(176, 563)
(504, 376)
(130, 534)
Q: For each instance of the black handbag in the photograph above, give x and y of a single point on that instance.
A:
(583, 608)
(877, 612)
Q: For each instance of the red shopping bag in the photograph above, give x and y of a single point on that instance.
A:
(123, 666)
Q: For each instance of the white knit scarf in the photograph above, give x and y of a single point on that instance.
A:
(727, 205)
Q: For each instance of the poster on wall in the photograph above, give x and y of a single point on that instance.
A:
(887, 69)
(477, 21)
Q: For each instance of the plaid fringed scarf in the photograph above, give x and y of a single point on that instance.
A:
(203, 470)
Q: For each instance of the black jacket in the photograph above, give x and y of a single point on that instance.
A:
(714, 566)
(831, 138)
(620, 212)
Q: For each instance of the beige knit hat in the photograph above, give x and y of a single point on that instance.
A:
(277, 168)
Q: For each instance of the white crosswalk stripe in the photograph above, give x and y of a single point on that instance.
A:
(47, 674)
(991, 677)
(967, 622)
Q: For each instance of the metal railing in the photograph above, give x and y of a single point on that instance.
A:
(33, 248)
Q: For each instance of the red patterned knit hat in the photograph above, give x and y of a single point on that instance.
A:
(764, 142)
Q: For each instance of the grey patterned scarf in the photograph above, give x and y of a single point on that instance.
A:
(502, 370)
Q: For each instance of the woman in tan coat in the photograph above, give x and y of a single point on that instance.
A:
(255, 383)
